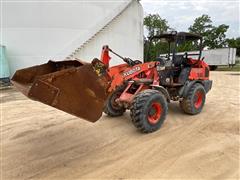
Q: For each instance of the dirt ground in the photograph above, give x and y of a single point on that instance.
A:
(39, 142)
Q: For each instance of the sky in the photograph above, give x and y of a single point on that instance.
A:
(180, 14)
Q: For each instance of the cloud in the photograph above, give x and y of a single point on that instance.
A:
(180, 14)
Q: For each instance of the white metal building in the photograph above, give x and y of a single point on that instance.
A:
(35, 31)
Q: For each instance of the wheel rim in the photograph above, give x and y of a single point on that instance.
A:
(198, 99)
(154, 113)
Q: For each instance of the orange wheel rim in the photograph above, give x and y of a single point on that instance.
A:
(198, 99)
(154, 113)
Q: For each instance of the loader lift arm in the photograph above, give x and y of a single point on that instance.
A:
(105, 58)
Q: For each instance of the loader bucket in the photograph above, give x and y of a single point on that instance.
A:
(71, 86)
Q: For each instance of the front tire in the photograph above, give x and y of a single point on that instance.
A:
(111, 108)
(148, 111)
(194, 101)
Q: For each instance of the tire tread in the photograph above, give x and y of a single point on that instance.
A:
(136, 110)
(186, 104)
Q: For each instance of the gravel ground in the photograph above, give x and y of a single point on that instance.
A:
(40, 142)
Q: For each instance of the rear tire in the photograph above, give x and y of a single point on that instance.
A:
(213, 67)
(194, 101)
(111, 108)
(148, 111)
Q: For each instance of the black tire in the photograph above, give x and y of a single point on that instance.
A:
(143, 110)
(213, 67)
(194, 101)
(111, 108)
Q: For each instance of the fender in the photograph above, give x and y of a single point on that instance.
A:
(187, 86)
(162, 90)
(207, 84)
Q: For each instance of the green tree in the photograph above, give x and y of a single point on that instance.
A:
(213, 36)
(234, 43)
(154, 25)
(202, 25)
(217, 37)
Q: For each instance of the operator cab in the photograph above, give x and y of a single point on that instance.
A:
(177, 66)
(176, 41)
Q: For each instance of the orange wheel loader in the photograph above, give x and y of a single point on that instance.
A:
(88, 89)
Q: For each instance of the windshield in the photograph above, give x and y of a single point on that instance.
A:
(157, 47)
(166, 47)
(186, 45)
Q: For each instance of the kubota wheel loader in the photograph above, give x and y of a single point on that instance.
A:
(88, 89)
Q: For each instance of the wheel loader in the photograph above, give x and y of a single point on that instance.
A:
(86, 90)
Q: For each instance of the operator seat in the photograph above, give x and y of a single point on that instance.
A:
(178, 60)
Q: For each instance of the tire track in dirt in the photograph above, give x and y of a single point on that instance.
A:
(40, 142)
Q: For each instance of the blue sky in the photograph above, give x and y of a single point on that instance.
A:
(180, 14)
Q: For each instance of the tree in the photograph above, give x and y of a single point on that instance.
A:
(202, 25)
(234, 43)
(213, 36)
(154, 25)
(217, 37)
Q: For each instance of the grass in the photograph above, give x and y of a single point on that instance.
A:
(227, 68)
